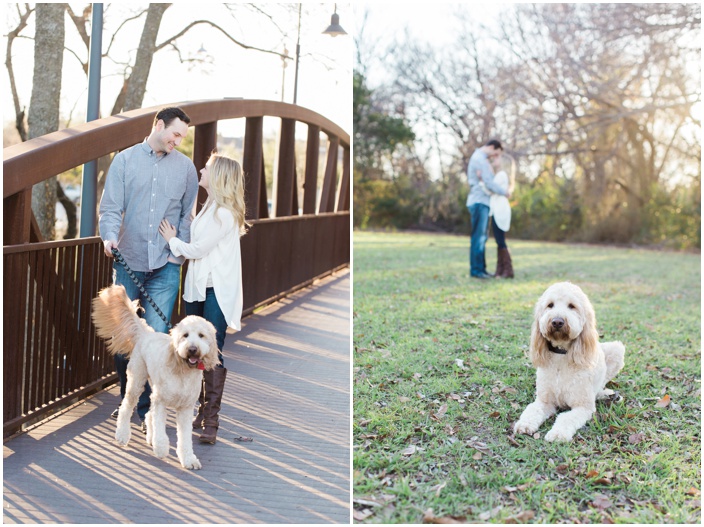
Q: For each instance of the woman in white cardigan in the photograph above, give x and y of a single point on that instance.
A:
(213, 285)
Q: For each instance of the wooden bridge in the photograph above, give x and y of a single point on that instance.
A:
(52, 358)
(287, 389)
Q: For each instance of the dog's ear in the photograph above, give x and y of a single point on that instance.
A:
(584, 350)
(538, 344)
(211, 359)
(172, 357)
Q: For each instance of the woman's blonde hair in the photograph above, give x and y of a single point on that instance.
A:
(226, 183)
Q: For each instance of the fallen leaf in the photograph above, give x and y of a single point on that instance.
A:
(441, 411)
(693, 492)
(429, 517)
(460, 364)
(362, 515)
(664, 402)
(477, 456)
(409, 451)
(490, 514)
(592, 474)
(438, 488)
(601, 502)
(522, 517)
(495, 414)
(634, 439)
(417, 375)
(602, 481)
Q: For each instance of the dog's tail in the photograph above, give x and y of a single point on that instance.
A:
(614, 353)
(115, 318)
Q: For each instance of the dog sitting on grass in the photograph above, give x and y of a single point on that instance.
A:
(572, 366)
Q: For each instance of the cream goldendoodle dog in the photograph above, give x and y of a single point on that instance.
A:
(572, 366)
(173, 364)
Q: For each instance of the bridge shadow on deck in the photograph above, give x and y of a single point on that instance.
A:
(288, 388)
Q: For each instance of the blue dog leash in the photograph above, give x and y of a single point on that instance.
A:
(120, 259)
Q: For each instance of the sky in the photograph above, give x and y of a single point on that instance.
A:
(378, 24)
(325, 70)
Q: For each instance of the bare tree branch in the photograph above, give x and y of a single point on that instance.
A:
(168, 41)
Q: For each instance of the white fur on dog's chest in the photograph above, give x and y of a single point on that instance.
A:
(181, 395)
(563, 386)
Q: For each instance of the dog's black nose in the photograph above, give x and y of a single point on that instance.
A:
(557, 323)
(192, 350)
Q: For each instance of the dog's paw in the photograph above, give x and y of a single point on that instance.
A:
(606, 393)
(122, 436)
(522, 427)
(558, 436)
(161, 450)
(191, 463)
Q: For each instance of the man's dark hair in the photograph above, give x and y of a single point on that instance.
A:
(169, 114)
(495, 143)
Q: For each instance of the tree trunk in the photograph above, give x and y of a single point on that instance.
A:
(137, 83)
(43, 115)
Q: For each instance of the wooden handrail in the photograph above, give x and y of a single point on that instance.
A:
(33, 161)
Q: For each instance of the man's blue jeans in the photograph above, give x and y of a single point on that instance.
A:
(480, 224)
(162, 285)
(210, 311)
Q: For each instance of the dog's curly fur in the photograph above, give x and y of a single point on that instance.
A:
(564, 320)
(170, 362)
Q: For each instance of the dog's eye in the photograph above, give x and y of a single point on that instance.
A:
(571, 306)
(200, 335)
(551, 305)
(185, 335)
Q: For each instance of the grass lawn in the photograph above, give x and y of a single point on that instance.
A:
(441, 375)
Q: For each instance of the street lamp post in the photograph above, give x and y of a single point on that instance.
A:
(89, 184)
(333, 30)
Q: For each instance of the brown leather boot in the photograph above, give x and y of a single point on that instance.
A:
(500, 264)
(507, 263)
(214, 385)
(198, 419)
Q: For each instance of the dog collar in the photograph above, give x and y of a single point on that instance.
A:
(555, 349)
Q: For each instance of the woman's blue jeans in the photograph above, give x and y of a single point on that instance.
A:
(499, 235)
(210, 311)
(480, 224)
(162, 285)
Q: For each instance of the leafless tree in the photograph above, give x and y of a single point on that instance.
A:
(600, 95)
(49, 65)
(44, 105)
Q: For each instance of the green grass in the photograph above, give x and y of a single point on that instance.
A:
(433, 433)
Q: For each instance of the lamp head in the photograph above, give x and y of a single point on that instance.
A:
(335, 28)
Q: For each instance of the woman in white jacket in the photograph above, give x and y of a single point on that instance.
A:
(213, 285)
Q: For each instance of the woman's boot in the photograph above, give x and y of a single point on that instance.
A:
(214, 385)
(507, 263)
(198, 419)
(499, 264)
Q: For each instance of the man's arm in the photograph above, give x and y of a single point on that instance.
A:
(187, 205)
(487, 176)
(112, 205)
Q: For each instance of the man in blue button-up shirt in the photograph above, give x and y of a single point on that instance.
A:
(479, 169)
(146, 183)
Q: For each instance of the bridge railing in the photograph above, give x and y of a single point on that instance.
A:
(51, 355)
